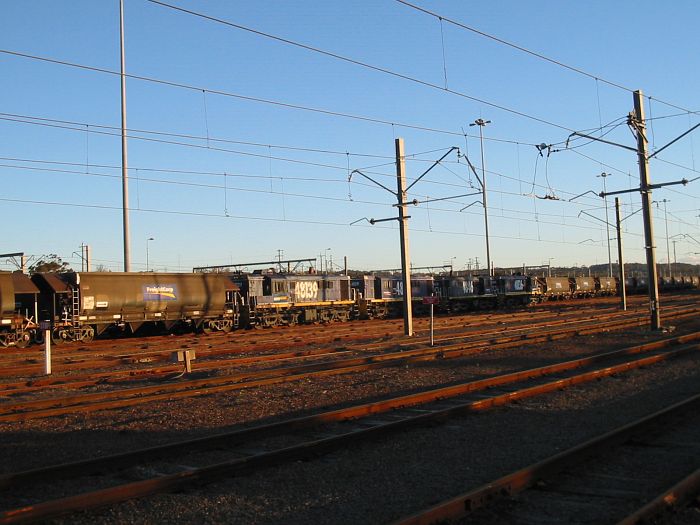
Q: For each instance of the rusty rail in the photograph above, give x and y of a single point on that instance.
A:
(359, 429)
(135, 396)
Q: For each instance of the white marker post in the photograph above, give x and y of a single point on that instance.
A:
(46, 327)
(432, 301)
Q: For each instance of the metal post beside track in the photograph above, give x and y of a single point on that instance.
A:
(621, 263)
(46, 328)
(432, 301)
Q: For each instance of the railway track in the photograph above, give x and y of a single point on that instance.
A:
(221, 359)
(52, 491)
(207, 363)
(156, 350)
(626, 476)
(103, 400)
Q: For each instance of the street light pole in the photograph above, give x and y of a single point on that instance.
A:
(147, 241)
(481, 123)
(607, 222)
(675, 261)
(125, 168)
(620, 261)
(326, 257)
(668, 252)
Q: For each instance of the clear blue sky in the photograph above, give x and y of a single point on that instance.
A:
(280, 195)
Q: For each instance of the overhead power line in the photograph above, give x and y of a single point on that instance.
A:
(268, 219)
(360, 63)
(580, 71)
(280, 193)
(248, 98)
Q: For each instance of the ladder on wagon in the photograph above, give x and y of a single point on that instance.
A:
(76, 310)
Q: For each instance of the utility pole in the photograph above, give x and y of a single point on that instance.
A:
(125, 169)
(401, 196)
(675, 261)
(618, 226)
(481, 123)
(640, 125)
(403, 232)
(607, 221)
(147, 262)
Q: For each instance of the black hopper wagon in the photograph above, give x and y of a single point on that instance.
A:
(18, 310)
(80, 306)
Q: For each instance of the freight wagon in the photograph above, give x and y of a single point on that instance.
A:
(18, 309)
(83, 305)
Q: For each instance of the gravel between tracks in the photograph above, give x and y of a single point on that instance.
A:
(375, 482)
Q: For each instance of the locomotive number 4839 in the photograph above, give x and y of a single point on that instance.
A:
(306, 289)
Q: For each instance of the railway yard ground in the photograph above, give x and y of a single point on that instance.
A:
(354, 423)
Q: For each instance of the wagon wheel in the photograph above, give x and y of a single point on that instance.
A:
(87, 334)
(269, 320)
(23, 340)
(38, 336)
(58, 336)
(226, 326)
(207, 328)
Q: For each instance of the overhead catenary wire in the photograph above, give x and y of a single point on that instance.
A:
(184, 144)
(209, 138)
(527, 51)
(267, 219)
(271, 191)
(72, 127)
(254, 176)
(224, 175)
(356, 62)
(239, 96)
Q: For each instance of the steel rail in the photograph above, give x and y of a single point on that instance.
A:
(79, 357)
(675, 496)
(520, 480)
(129, 375)
(134, 396)
(102, 497)
(350, 412)
(69, 361)
(475, 319)
(10, 388)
